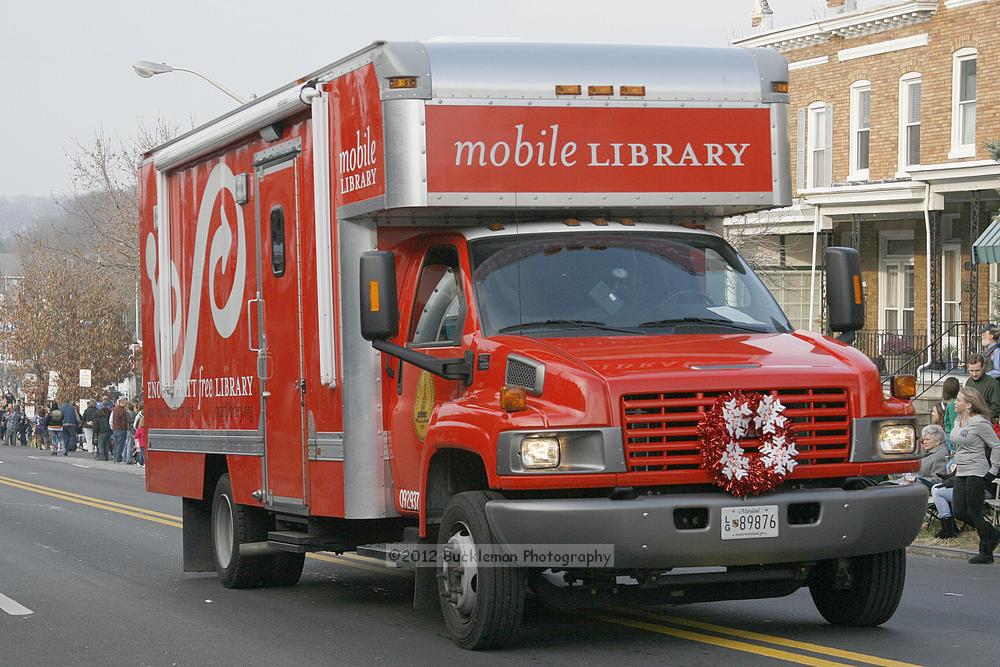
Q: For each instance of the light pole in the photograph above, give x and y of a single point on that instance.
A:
(147, 69)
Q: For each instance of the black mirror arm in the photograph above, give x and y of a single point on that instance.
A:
(847, 337)
(450, 369)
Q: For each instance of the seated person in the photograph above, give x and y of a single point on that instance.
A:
(934, 464)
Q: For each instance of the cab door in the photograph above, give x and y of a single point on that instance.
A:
(435, 325)
(282, 361)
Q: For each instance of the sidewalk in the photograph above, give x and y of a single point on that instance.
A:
(84, 459)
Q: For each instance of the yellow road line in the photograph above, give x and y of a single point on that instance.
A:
(145, 514)
(770, 639)
(343, 560)
(779, 654)
(98, 504)
(96, 500)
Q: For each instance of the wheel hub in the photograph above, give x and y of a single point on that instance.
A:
(223, 531)
(459, 571)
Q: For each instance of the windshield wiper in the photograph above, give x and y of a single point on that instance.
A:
(701, 320)
(566, 324)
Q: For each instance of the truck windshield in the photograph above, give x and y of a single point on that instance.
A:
(618, 284)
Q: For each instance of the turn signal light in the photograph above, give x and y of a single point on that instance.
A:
(904, 386)
(397, 82)
(632, 91)
(600, 90)
(569, 90)
(513, 399)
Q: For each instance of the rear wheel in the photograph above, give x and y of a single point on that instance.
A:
(869, 596)
(233, 525)
(482, 606)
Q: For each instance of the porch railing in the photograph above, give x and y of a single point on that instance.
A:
(895, 353)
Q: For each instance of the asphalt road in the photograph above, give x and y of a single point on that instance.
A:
(96, 561)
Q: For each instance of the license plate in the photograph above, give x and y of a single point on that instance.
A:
(743, 523)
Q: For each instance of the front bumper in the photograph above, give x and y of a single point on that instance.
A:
(849, 523)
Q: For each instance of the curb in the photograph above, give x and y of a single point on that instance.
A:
(940, 552)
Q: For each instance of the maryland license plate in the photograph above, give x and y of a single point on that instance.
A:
(742, 523)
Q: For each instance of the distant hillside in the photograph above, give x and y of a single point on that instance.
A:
(23, 211)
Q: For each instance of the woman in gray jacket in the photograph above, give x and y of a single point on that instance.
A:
(972, 435)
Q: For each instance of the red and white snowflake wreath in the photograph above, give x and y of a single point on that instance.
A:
(730, 420)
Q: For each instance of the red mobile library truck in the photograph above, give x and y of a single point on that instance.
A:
(466, 294)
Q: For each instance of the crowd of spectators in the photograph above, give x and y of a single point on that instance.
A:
(112, 430)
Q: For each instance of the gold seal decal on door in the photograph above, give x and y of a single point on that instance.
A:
(423, 403)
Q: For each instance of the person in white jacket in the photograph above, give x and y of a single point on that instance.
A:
(975, 470)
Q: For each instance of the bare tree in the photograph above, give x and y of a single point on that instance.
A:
(62, 318)
(99, 225)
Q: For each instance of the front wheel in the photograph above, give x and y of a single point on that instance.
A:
(482, 605)
(868, 596)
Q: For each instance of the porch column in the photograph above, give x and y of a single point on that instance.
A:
(974, 210)
(936, 245)
(856, 231)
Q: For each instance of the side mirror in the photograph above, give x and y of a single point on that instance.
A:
(845, 299)
(379, 309)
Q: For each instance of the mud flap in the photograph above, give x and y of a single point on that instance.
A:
(197, 535)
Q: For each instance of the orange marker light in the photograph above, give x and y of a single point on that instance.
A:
(904, 386)
(513, 399)
(632, 91)
(398, 82)
(600, 90)
(779, 86)
(373, 296)
(569, 90)
(857, 289)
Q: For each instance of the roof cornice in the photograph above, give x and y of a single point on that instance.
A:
(853, 24)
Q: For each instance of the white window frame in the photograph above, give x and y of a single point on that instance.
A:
(816, 110)
(958, 149)
(883, 258)
(857, 88)
(905, 81)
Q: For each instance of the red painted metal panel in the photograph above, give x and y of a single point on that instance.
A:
(358, 155)
(175, 473)
(245, 475)
(559, 149)
(326, 488)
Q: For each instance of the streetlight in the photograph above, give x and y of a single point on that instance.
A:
(147, 69)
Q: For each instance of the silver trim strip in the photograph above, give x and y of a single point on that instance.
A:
(324, 246)
(239, 443)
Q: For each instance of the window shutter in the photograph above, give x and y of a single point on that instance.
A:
(828, 149)
(800, 151)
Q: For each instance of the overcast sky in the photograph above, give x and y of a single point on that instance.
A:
(65, 67)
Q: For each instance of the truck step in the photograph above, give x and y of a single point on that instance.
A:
(300, 542)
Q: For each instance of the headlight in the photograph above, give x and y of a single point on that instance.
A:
(897, 439)
(539, 453)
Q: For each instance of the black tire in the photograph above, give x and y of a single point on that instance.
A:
(282, 569)
(491, 616)
(245, 524)
(875, 589)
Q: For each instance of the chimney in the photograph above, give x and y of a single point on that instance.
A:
(762, 18)
(841, 6)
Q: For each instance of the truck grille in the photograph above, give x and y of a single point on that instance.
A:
(661, 429)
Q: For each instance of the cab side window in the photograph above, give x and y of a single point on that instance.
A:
(439, 306)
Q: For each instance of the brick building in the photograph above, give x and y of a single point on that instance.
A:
(889, 123)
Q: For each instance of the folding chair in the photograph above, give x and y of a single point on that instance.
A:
(992, 509)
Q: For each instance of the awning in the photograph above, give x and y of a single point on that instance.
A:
(986, 249)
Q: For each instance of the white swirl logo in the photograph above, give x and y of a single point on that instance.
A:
(175, 388)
